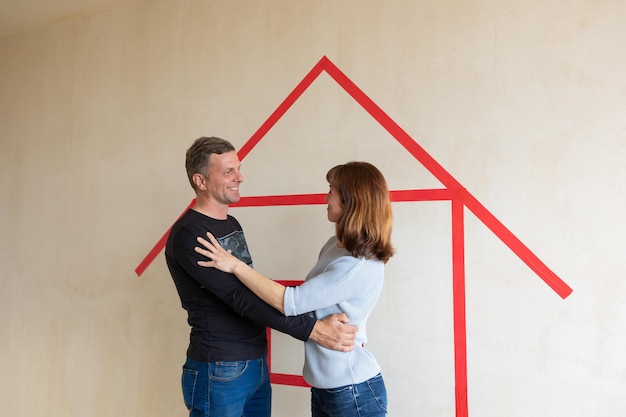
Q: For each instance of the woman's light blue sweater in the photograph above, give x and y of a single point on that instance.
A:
(339, 282)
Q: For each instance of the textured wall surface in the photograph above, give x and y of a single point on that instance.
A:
(522, 102)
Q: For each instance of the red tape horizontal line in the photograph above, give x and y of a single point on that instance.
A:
(397, 196)
(281, 200)
(435, 194)
(289, 283)
(286, 379)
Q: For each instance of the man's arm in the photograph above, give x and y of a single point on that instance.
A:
(332, 332)
(227, 289)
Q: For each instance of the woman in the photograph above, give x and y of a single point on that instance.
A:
(348, 277)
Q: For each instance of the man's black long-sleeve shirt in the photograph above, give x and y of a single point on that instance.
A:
(228, 322)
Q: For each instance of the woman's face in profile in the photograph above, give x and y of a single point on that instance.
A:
(335, 207)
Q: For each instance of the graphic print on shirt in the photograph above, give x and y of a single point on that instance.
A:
(236, 242)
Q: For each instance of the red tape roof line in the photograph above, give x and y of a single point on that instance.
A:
(154, 252)
(414, 149)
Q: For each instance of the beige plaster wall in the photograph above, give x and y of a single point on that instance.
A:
(522, 102)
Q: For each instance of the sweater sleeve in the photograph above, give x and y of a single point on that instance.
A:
(233, 293)
(336, 284)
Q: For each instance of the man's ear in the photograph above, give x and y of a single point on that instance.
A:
(198, 180)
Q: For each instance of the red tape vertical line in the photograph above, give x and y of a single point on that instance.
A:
(284, 379)
(268, 335)
(458, 290)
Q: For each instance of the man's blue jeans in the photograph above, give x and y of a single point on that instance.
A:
(227, 389)
(367, 399)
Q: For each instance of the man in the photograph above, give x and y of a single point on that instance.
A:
(226, 373)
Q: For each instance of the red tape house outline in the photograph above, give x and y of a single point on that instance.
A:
(453, 192)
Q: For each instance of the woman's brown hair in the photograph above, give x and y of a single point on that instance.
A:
(364, 227)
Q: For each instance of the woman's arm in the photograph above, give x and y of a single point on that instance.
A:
(269, 291)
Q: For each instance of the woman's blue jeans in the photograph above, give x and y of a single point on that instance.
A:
(367, 399)
(227, 389)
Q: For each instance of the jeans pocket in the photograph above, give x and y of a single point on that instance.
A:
(228, 371)
(189, 380)
(378, 391)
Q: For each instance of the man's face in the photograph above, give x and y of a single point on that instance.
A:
(224, 177)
